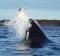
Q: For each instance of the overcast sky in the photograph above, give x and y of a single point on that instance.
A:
(37, 9)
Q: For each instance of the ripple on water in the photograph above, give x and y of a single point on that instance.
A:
(11, 46)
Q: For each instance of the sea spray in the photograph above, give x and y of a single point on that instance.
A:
(20, 23)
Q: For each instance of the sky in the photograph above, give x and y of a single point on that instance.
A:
(37, 9)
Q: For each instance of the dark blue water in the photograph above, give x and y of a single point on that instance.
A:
(11, 46)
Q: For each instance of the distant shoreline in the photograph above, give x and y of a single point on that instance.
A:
(49, 22)
(41, 22)
(2, 22)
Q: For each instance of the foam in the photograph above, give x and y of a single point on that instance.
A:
(20, 23)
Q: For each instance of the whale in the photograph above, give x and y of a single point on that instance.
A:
(28, 30)
(37, 37)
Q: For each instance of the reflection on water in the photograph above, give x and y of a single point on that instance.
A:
(11, 46)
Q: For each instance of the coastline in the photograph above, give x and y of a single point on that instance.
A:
(41, 22)
(49, 22)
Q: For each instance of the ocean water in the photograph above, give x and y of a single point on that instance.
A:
(11, 46)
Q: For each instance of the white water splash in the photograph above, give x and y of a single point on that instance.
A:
(20, 23)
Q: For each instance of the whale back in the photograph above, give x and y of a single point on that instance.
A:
(36, 35)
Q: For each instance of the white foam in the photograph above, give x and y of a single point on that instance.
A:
(20, 23)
